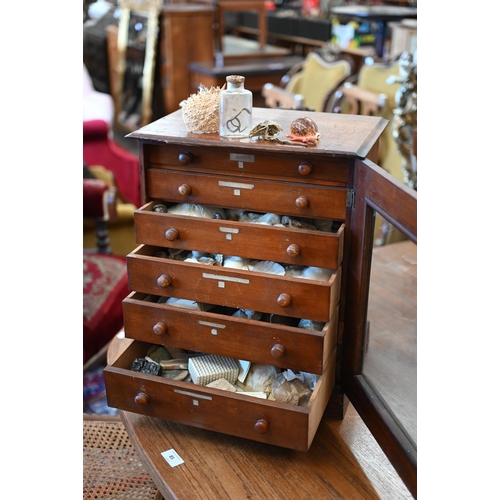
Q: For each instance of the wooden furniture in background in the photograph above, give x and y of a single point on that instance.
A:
(106, 447)
(242, 5)
(257, 72)
(187, 35)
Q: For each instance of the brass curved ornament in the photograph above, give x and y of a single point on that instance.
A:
(404, 125)
(151, 10)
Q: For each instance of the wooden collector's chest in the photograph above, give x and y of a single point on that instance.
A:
(264, 206)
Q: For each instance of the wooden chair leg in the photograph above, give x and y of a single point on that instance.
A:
(102, 237)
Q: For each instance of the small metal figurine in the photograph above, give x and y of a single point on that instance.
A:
(405, 116)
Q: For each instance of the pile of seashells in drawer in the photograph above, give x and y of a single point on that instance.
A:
(252, 379)
(235, 262)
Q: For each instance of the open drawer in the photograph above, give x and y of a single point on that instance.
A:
(303, 247)
(258, 341)
(237, 414)
(269, 293)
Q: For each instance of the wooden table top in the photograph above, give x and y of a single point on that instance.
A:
(344, 461)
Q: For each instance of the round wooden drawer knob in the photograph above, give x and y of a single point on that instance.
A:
(171, 234)
(261, 426)
(160, 328)
(142, 399)
(185, 158)
(293, 250)
(278, 351)
(284, 300)
(305, 168)
(184, 190)
(302, 202)
(164, 281)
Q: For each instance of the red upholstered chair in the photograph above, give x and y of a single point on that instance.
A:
(105, 281)
(100, 149)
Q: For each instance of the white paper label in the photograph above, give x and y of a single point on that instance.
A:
(172, 457)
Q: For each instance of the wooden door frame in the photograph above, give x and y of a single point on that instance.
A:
(375, 190)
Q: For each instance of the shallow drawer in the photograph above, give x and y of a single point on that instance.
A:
(283, 295)
(302, 200)
(225, 335)
(248, 417)
(255, 241)
(299, 166)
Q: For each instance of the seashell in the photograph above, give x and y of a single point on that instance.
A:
(248, 314)
(235, 262)
(309, 324)
(188, 304)
(269, 219)
(247, 217)
(288, 221)
(294, 271)
(207, 261)
(266, 266)
(304, 127)
(260, 378)
(235, 214)
(294, 391)
(200, 111)
(160, 207)
(196, 255)
(194, 210)
(175, 254)
(316, 273)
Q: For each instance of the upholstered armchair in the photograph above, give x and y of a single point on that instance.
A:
(308, 85)
(119, 169)
(105, 280)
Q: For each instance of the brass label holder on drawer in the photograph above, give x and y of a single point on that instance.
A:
(229, 232)
(237, 186)
(193, 395)
(223, 279)
(241, 159)
(214, 326)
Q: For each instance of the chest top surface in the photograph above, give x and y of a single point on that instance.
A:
(344, 135)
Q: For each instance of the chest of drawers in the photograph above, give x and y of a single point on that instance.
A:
(306, 188)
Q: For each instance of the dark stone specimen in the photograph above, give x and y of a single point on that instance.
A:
(144, 366)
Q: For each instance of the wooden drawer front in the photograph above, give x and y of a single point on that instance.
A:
(300, 167)
(299, 298)
(255, 341)
(254, 241)
(301, 200)
(261, 420)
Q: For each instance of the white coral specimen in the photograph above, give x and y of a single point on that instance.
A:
(201, 110)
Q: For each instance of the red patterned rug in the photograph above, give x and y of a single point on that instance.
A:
(105, 285)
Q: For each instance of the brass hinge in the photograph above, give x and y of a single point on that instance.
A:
(350, 198)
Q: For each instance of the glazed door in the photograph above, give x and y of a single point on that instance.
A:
(380, 334)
